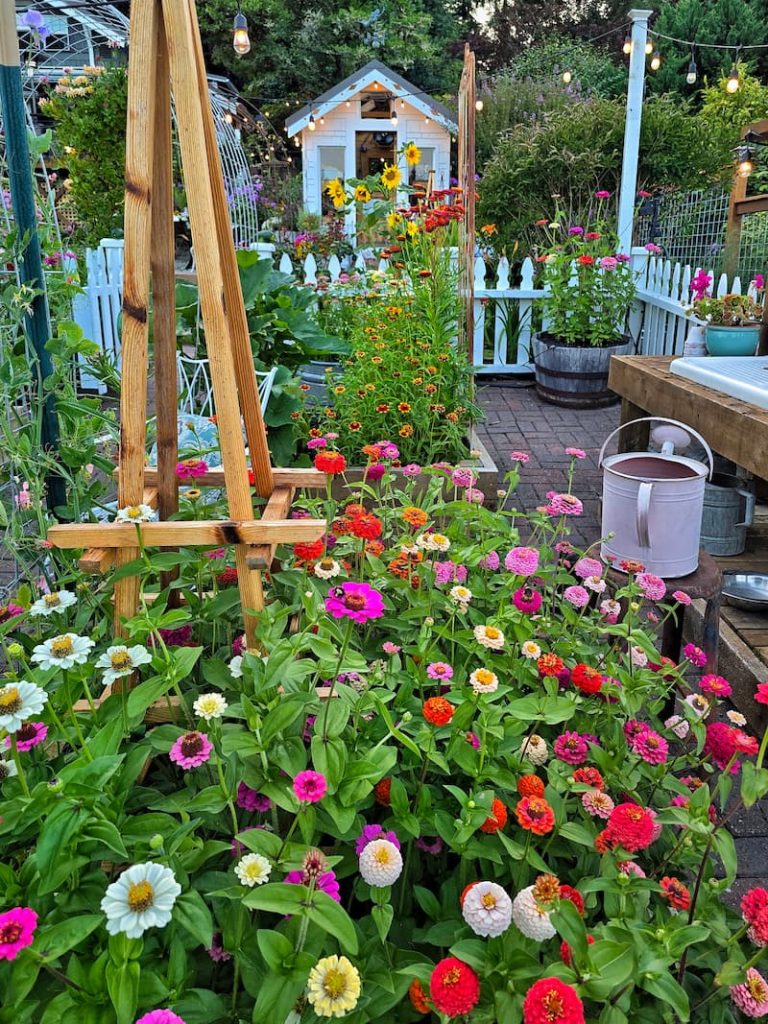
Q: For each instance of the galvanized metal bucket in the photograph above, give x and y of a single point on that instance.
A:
(652, 506)
(729, 508)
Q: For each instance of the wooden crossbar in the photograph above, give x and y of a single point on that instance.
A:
(309, 479)
(97, 561)
(184, 534)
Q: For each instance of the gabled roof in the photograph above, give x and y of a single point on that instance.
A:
(374, 71)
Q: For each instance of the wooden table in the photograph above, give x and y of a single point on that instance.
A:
(734, 429)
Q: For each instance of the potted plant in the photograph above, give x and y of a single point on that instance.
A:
(589, 288)
(732, 321)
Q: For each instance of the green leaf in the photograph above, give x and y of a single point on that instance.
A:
(570, 926)
(382, 918)
(664, 987)
(754, 783)
(278, 898)
(184, 660)
(399, 736)
(726, 849)
(330, 757)
(146, 693)
(282, 716)
(577, 833)
(276, 949)
(277, 997)
(123, 989)
(332, 918)
(427, 901)
(107, 834)
(471, 951)
(191, 912)
(687, 936)
(59, 828)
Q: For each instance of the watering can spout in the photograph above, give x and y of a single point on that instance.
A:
(668, 448)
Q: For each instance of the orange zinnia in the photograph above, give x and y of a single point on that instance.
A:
(418, 997)
(414, 516)
(497, 819)
(535, 815)
(438, 711)
(530, 785)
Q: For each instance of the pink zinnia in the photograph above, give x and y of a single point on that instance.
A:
(463, 476)
(564, 505)
(720, 744)
(190, 469)
(695, 655)
(472, 740)
(681, 597)
(491, 561)
(371, 832)
(439, 670)
(630, 867)
(576, 453)
(597, 803)
(586, 567)
(715, 686)
(605, 194)
(653, 587)
(375, 472)
(389, 648)
(310, 786)
(317, 442)
(522, 561)
(571, 747)
(449, 572)
(761, 693)
(216, 553)
(521, 457)
(28, 735)
(527, 600)
(17, 930)
(356, 601)
(751, 997)
(160, 1017)
(649, 745)
(180, 636)
(412, 469)
(191, 750)
(474, 495)
(326, 882)
(577, 596)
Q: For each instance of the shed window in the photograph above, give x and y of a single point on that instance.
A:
(331, 166)
(419, 174)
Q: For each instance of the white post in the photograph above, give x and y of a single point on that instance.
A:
(628, 191)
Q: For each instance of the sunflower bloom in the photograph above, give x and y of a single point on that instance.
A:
(391, 177)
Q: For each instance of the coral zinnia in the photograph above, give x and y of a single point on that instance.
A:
(414, 516)
(550, 665)
(497, 819)
(535, 815)
(307, 551)
(438, 711)
(330, 462)
(551, 1001)
(418, 997)
(677, 894)
(454, 987)
(530, 785)
(589, 776)
(631, 826)
(365, 526)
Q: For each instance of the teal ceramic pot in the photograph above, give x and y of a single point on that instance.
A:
(732, 341)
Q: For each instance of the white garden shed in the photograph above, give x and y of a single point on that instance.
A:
(356, 127)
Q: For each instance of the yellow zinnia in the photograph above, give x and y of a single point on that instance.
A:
(412, 154)
(362, 195)
(391, 176)
(333, 987)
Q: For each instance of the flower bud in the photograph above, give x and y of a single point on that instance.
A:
(407, 716)
(156, 842)
(635, 606)
(471, 805)
(429, 621)
(15, 650)
(55, 786)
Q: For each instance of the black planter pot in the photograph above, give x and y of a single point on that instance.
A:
(575, 376)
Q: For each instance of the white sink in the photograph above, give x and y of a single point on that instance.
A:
(744, 377)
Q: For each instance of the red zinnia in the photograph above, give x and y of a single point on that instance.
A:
(454, 987)
(464, 892)
(586, 261)
(675, 893)
(589, 776)
(550, 665)
(382, 792)
(309, 551)
(365, 526)
(530, 785)
(551, 1001)
(498, 818)
(565, 950)
(227, 578)
(588, 679)
(438, 711)
(418, 997)
(567, 892)
(330, 462)
(535, 815)
(630, 826)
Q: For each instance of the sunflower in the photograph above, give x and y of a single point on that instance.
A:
(391, 177)
(412, 154)
(394, 218)
(335, 188)
(412, 228)
(362, 195)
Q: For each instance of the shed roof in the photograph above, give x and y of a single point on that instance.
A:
(374, 71)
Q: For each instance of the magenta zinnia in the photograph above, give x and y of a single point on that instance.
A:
(191, 750)
(17, 930)
(28, 735)
(527, 600)
(310, 786)
(356, 601)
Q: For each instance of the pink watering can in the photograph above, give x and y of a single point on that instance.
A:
(652, 502)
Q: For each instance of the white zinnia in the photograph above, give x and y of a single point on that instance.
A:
(119, 661)
(253, 869)
(698, 704)
(735, 718)
(489, 636)
(210, 705)
(460, 595)
(638, 657)
(236, 667)
(18, 702)
(530, 649)
(55, 602)
(487, 909)
(7, 769)
(596, 584)
(63, 651)
(679, 726)
(529, 917)
(433, 542)
(135, 514)
(482, 680)
(141, 898)
(380, 863)
(534, 749)
(327, 568)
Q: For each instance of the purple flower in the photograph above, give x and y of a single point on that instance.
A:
(317, 442)
(575, 230)
(251, 800)
(439, 670)
(412, 469)
(491, 561)
(449, 572)
(326, 882)
(435, 847)
(371, 832)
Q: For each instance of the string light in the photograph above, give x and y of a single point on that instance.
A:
(478, 105)
(311, 124)
(567, 77)
(402, 104)
(745, 163)
(655, 61)
(393, 116)
(240, 41)
(692, 74)
(649, 48)
(734, 82)
(322, 119)
(627, 47)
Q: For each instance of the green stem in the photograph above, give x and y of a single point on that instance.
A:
(19, 768)
(342, 655)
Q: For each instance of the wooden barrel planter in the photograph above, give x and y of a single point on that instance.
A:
(575, 376)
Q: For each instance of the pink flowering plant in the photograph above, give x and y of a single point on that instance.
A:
(454, 779)
(588, 280)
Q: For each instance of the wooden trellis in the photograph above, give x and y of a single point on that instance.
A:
(166, 51)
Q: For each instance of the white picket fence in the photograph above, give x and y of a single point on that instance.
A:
(504, 318)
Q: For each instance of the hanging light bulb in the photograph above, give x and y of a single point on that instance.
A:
(393, 116)
(228, 118)
(627, 47)
(426, 120)
(478, 105)
(240, 41)
(655, 61)
(348, 104)
(312, 124)
(402, 104)
(296, 141)
(745, 162)
(734, 82)
(567, 76)
(692, 74)
(649, 48)
(322, 119)
(290, 159)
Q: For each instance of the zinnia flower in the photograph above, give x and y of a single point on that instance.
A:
(165, 1016)
(521, 457)
(675, 893)
(530, 785)
(381, 863)
(141, 898)
(571, 747)
(653, 587)
(698, 704)
(18, 702)
(487, 909)
(564, 505)
(63, 652)
(210, 706)
(586, 678)
(678, 725)
(28, 735)
(437, 711)
(253, 869)
(251, 800)
(418, 997)
(650, 746)
(534, 749)
(522, 561)
(535, 815)
(551, 1001)
(356, 601)
(135, 514)
(454, 987)
(530, 649)
(631, 826)
(577, 596)
(333, 986)
(53, 603)
(550, 665)
(532, 919)
(330, 462)
(191, 750)
(715, 686)
(497, 819)
(586, 567)
(310, 787)
(752, 996)
(119, 661)
(489, 636)
(439, 670)
(482, 680)
(597, 804)
(695, 655)
(17, 931)
(527, 600)
(371, 832)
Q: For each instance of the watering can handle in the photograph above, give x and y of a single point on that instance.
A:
(659, 419)
(643, 508)
(749, 509)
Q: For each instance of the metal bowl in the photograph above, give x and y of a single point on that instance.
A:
(748, 590)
